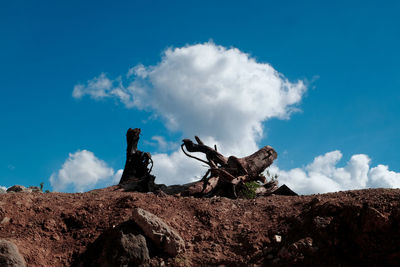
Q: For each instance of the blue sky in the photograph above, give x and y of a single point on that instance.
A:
(343, 136)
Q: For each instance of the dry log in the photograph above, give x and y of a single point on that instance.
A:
(226, 173)
(254, 164)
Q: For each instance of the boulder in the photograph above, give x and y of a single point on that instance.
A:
(18, 188)
(124, 250)
(119, 246)
(162, 235)
(9, 255)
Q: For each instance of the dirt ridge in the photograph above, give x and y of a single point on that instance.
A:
(347, 228)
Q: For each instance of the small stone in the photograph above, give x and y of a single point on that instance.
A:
(49, 224)
(321, 222)
(5, 220)
(55, 237)
(277, 238)
(302, 245)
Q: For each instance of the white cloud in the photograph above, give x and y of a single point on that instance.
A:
(176, 168)
(83, 171)
(217, 93)
(162, 144)
(322, 175)
(98, 87)
(117, 176)
(380, 176)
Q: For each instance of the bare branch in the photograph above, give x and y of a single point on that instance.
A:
(193, 157)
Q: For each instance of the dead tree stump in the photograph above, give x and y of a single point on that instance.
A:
(136, 175)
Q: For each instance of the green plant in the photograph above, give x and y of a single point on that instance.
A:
(41, 186)
(248, 190)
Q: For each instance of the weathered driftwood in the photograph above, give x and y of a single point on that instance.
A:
(227, 174)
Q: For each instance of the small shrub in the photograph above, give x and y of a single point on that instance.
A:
(248, 190)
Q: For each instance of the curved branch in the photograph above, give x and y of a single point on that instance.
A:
(193, 157)
(211, 154)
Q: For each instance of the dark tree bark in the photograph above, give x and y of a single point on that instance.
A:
(136, 175)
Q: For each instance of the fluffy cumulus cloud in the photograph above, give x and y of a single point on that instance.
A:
(83, 171)
(323, 175)
(218, 93)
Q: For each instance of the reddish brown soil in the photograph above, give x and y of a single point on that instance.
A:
(347, 228)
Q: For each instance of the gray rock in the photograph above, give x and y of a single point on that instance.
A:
(120, 246)
(163, 236)
(2, 191)
(9, 255)
(124, 250)
(18, 188)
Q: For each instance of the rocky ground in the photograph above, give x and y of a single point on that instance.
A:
(337, 229)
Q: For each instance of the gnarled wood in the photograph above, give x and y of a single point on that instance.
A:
(212, 155)
(225, 176)
(225, 173)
